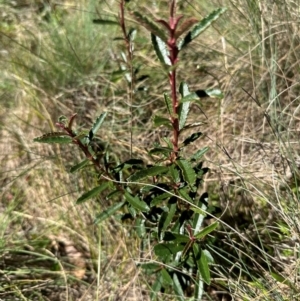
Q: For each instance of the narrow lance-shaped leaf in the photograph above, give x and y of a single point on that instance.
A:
(161, 50)
(183, 107)
(79, 166)
(188, 172)
(199, 153)
(108, 212)
(55, 137)
(105, 22)
(97, 124)
(158, 121)
(92, 193)
(136, 202)
(200, 27)
(149, 172)
(200, 213)
(152, 27)
(203, 266)
(191, 138)
(206, 230)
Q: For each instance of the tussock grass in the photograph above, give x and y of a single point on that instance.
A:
(56, 61)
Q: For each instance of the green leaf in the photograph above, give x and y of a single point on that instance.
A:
(149, 172)
(161, 50)
(158, 121)
(214, 93)
(163, 250)
(165, 219)
(203, 266)
(200, 213)
(206, 230)
(55, 137)
(166, 278)
(177, 238)
(150, 267)
(190, 97)
(155, 288)
(168, 103)
(184, 194)
(177, 288)
(108, 212)
(161, 150)
(191, 139)
(209, 258)
(97, 124)
(94, 192)
(105, 22)
(159, 199)
(199, 153)
(79, 166)
(174, 172)
(152, 27)
(136, 202)
(188, 172)
(199, 288)
(200, 27)
(184, 108)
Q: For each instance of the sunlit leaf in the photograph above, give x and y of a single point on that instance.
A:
(178, 288)
(206, 230)
(161, 50)
(200, 27)
(97, 124)
(184, 108)
(203, 267)
(108, 212)
(199, 153)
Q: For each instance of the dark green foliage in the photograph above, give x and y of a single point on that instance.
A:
(162, 197)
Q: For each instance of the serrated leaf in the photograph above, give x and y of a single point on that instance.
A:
(97, 124)
(174, 172)
(105, 22)
(184, 194)
(159, 199)
(185, 26)
(79, 166)
(188, 172)
(108, 212)
(136, 202)
(161, 50)
(200, 27)
(191, 138)
(152, 27)
(55, 137)
(94, 192)
(206, 230)
(184, 108)
(199, 153)
(149, 172)
(158, 121)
